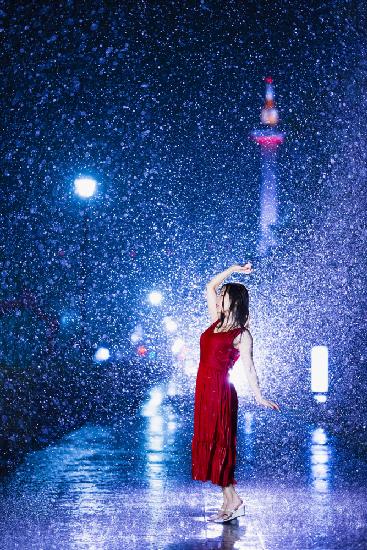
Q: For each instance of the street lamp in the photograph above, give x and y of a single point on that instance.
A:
(84, 188)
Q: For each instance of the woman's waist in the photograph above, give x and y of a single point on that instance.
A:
(214, 367)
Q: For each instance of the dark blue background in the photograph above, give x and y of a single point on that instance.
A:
(156, 100)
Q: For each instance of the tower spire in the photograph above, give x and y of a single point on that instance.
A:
(268, 139)
(269, 113)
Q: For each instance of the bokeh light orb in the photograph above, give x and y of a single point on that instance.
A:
(170, 324)
(85, 187)
(102, 354)
(142, 351)
(67, 318)
(135, 337)
(155, 297)
(137, 334)
(177, 345)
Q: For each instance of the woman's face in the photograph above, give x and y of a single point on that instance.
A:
(222, 306)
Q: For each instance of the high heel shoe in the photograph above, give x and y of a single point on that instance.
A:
(218, 515)
(229, 514)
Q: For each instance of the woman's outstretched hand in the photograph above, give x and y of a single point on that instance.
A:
(247, 268)
(267, 403)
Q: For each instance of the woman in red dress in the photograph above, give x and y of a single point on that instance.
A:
(216, 405)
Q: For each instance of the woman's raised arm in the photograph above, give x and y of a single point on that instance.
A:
(211, 294)
(211, 287)
(215, 281)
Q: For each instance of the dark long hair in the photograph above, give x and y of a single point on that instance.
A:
(239, 302)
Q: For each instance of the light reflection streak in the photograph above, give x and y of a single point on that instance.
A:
(159, 432)
(320, 454)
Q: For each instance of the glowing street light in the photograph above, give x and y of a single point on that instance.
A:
(85, 187)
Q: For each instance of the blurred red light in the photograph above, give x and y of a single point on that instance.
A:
(142, 350)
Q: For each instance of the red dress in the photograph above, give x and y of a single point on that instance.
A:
(215, 411)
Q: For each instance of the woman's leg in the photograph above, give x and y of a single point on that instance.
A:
(220, 513)
(232, 497)
(225, 498)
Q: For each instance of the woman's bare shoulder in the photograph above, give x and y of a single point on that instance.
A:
(244, 335)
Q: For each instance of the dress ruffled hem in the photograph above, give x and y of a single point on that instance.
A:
(212, 462)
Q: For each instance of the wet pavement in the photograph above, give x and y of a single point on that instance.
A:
(127, 485)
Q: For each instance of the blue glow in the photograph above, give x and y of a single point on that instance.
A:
(68, 318)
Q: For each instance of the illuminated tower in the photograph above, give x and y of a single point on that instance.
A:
(268, 138)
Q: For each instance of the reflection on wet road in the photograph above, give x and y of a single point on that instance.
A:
(128, 485)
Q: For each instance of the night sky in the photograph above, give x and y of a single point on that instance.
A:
(156, 100)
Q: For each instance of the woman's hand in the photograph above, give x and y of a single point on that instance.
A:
(267, 403)
(247, 268)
